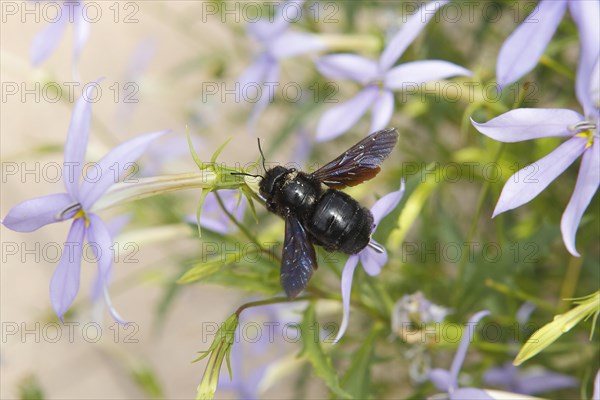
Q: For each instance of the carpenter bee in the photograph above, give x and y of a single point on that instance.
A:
(317, 213)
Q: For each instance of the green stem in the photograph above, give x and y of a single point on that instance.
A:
(274, 300)
(570, 282)
(342, 42)
(556, 67)
(479, 208)
(243, 229)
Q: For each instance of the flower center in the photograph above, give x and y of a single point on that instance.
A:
(73, 211)
(585, 129)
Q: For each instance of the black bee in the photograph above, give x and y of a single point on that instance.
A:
(316, 212)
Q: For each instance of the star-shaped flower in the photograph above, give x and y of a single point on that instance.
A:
(371, 260)
(582, 131)
(77, 204)
(531, 382)
(524, 47)
(380, 79)
(447, 380)
(277, 42)
(47, 40)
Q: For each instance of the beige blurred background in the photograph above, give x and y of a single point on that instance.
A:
(82, 369)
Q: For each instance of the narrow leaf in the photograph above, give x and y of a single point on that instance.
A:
(357, 380)
(312, 350)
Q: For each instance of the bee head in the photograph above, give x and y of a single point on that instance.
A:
(272, 181)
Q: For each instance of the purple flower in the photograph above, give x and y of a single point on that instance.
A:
(447, 380)
(379, 79)
(416, 309)
(47, 40)
(371, 260)
(77, 204)
(137, 65)
(214, 219)
(258, 81)
(524, 47)
(582, 131)
(509, 377)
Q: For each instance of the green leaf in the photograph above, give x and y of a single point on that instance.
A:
(411, 210)
(30, 389)
(562, 323)
(147, 380)
(248, 194)
(213, 159)
(313, 352)
(203, 270)
(250, 281)
(201, 201)
(357, 380)
(195, 157)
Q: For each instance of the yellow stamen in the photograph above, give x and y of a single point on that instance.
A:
(82, 214)
(589, 134)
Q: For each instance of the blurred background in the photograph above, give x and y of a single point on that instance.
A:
(170, 50)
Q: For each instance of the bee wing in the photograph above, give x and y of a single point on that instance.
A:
(360, 162)
(299, 258)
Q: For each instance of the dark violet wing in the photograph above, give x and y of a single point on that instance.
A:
(360, 162)
(299, 259)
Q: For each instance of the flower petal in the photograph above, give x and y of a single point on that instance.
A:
(587, 16)
(407, 33)
(524, 312)
(82, 31)
(587, 184)
(526, 184)
(543, 381)
(387, 203)
(347, 275)
(111, 309)
(440, 378)
(65, 280)
(292, 44)
(372, 261)
(47, 40)
(461, 352)
(594, 92)
(529, 123)
(32, 214)
(342, 117)
(470, 394)
(77, 140)
(253, 75)
(382, 111)
(504, 376)
(266, 29)
(524, 47)
(417, 72)
(101, 243)
(348, 66)
(266, 95)
(113, 165)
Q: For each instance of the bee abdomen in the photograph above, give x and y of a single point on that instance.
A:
(338, 222)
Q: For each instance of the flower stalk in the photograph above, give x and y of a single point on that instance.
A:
(211, 177)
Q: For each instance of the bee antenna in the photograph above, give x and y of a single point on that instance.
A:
(246, 174)
(262, 155)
